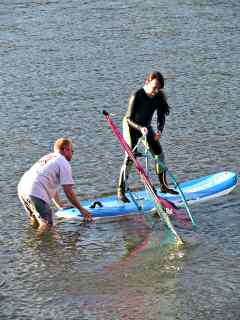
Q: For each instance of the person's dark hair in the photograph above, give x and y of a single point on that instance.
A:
(156, 75)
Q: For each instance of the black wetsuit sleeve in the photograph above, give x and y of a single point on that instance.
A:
(130, 113)
(160, 120)
(161, 113)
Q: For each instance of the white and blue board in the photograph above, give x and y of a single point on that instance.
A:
(195, 191)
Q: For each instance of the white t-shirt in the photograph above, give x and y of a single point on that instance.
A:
(45, 177)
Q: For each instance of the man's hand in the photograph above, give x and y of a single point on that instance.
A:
(86, 214)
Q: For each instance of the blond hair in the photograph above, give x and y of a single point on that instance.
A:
(61, 143)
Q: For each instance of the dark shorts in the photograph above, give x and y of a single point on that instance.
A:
(37, 208)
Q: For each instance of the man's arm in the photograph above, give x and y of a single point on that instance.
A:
(72, 197)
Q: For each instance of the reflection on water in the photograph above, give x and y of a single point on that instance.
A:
(121, 288)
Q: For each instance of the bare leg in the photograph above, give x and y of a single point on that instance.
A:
(34, 222)
(43, 226)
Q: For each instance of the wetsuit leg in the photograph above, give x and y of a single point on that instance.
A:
(124, 173)
(157, 151)
(131, 136)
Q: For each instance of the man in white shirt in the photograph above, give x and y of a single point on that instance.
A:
(39, 186)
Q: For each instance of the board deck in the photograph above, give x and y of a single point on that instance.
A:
(195, 191)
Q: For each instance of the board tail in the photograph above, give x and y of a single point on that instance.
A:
(163, 206)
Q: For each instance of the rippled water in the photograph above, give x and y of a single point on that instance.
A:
(61, 63)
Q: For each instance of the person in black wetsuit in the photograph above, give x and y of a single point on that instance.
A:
(137, 122)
